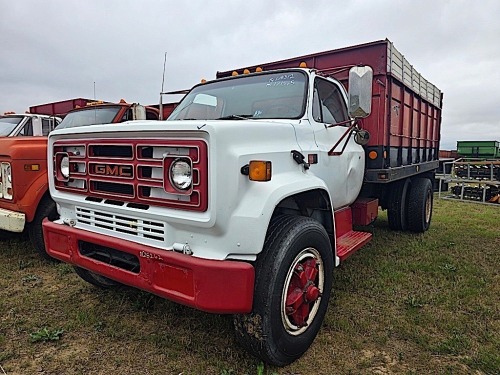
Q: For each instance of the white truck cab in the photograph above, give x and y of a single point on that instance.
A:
(27, 124)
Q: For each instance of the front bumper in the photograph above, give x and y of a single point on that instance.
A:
(218, 286)
(12, 221)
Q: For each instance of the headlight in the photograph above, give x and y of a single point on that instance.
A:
(8, 171)
(6, 181)
(64, 167)
(180, 174)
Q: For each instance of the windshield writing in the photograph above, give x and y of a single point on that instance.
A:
(260, 96)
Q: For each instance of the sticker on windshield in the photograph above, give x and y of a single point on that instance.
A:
(281, 80)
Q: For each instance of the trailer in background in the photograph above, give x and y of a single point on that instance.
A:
(479, 149)
(60, 108)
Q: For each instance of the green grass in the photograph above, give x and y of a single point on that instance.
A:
(405, 304)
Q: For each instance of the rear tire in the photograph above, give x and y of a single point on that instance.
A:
(46, 209)
(96, 279)
(420, 202)
(397, 207)
(292, 290)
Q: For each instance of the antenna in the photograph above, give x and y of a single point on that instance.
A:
(163, 78)
(95, 108)
(162, 84)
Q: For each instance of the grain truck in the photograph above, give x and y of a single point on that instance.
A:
(255, 188)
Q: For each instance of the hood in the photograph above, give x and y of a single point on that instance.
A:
(23, 148)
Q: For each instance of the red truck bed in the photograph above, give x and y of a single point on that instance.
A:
(59, 108)
(406, 108)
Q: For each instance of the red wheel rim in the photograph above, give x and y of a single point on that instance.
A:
(302, 290)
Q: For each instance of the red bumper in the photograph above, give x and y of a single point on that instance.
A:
(209, 285)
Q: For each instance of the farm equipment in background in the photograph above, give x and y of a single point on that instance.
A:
(475, 175)
(489, 193)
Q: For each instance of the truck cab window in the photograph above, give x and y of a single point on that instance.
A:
(47, 126)
(203, 106)
(127, 115)
(264, 96)
(151, 115)
(328, 103)
(27, 129)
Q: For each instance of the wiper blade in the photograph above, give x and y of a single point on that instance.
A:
(235, 117)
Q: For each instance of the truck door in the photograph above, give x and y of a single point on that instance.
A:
(342, 173)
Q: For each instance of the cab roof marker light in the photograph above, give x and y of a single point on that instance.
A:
(97, 102)
(234, 73)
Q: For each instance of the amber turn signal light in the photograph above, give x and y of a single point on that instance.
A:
(31, 167)
(259, 170)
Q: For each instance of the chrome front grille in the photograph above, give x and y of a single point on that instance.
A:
(133, 171)
(127, 224)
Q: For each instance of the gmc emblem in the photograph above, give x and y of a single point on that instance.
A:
(113, 170)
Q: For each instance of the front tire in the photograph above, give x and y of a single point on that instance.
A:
(292, 290)
(46, 209)
(96, 279)
(6, 235)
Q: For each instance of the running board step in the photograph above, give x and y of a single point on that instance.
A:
(348, 243)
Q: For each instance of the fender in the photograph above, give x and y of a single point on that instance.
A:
(255, 210)
(30, 201)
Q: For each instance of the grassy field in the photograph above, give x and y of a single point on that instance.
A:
(405, 304)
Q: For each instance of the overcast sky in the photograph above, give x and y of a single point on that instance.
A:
(55, 50)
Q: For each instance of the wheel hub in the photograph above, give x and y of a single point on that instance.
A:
(302, 292)
(311, 294)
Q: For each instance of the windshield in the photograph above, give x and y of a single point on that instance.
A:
(8, 124)
(89, 116)
(263, 95)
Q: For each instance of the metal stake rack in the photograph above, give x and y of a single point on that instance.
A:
(472, 179)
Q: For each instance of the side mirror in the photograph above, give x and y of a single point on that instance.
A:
(360, 91)
(138, 112)
(362, 137)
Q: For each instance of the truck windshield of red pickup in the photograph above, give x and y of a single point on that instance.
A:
(89, 116)
(8, 124)
(274, 95)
